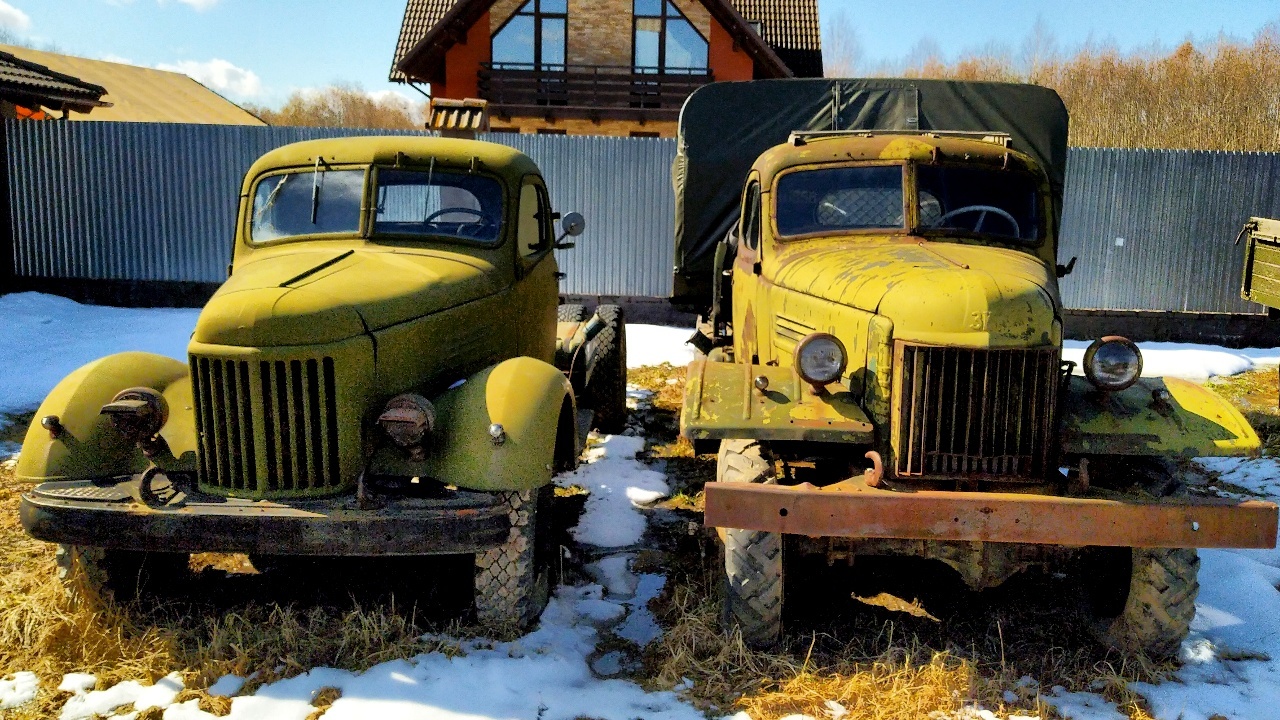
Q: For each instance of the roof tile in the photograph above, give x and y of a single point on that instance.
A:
(790, 27)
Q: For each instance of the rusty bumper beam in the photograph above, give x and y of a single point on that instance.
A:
(855, 511)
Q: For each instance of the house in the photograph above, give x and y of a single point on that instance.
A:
(30, 91)
(599, 67)
(137, 94)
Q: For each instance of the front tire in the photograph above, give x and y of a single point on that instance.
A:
(95, 574)
(513, 581)
(1159, 603)
(753, 570)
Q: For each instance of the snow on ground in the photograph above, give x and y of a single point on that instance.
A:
(655, 344)
(45, 337)
(18, 689)
(616, 482)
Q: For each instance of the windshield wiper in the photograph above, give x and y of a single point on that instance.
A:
(315, 191)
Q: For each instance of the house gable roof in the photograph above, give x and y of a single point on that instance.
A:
(37, 85)
(141, 94)
(431, 27)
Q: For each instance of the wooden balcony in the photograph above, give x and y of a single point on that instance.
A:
(596, 92)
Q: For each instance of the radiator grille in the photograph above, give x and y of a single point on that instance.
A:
(266, 426)
(986, 413)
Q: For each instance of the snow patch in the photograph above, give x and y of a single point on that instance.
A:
(656, 344)
(18, 689)
(53, 336)
(85, 705)
(617, 482)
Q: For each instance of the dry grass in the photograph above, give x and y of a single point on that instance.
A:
(887, 666)
(1257, 394)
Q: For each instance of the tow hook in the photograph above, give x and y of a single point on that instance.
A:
(874, 475)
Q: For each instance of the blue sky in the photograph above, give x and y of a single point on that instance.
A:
(259, 51)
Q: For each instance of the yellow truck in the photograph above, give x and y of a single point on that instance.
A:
(386, 372)
(882, 373)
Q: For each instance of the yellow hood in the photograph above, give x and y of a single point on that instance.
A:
(933, 292)
(310, 298)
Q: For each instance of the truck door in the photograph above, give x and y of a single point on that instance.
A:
(746, 275)
(537, 287)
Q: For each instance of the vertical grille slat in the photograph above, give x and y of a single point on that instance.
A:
(974, 411)
(267, 427)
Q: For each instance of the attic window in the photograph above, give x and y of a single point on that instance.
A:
(533, 38)
(665, 40)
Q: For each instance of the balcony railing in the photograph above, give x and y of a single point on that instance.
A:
(588, 91)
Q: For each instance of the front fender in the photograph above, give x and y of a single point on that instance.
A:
(91, 447)
(1168, 417)
(525, 396)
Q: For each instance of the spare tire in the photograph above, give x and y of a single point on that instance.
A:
(606, 388)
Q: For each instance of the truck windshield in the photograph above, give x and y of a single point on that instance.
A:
(980, 201)
(838, 199)
(438, 203)
(307, 203)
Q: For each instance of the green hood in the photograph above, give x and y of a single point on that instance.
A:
(310, 298)
(933, 292)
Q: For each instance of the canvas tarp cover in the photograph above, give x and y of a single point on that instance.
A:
(724, 127)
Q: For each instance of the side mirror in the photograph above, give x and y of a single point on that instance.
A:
(573, 225)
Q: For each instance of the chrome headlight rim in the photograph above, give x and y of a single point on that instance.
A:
(813, 340)
(1091, 369)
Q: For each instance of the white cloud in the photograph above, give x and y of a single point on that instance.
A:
(109, 57)
(199, 5)
(219, 75)
(12, 18)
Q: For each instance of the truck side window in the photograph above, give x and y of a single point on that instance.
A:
(530, 234)
(751, 217)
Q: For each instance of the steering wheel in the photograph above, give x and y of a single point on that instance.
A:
(984, 209)
(481, 218)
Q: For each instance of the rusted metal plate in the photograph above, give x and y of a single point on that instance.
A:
(721, 400)
(1168, 417)
(854, 510)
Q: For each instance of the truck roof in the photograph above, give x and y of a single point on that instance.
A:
(888, 146)
(384, 149)
(725, 127)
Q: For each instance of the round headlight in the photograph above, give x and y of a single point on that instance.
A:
(408, 420)
(820, 359)
(1113, 363)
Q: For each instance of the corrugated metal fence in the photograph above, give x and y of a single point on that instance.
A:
(149, 201)
(130, 201)
(1155, 229)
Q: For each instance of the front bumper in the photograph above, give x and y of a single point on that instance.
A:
(110, 513)
(852, 509)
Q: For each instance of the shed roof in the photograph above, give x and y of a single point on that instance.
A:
(140, 94)
(27, 82)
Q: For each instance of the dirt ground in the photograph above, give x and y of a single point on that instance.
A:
(877, 663)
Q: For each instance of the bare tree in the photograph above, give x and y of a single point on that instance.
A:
(344, 105)
(842, 52)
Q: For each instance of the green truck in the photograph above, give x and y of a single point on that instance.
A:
(876, 265)
(386, 371)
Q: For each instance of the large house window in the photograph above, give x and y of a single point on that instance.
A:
(534, 37)
(665, 40)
